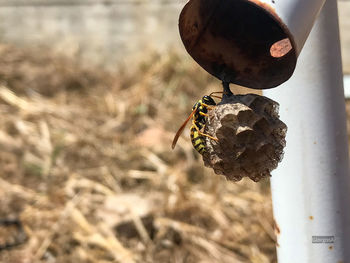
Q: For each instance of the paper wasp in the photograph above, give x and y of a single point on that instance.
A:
(199, 114)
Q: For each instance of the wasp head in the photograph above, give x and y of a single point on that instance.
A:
(208, 100)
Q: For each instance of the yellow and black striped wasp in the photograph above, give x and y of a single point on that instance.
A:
(199, 114)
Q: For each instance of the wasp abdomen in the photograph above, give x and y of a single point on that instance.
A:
(197, 140)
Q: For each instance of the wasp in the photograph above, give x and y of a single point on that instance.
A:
(199, 114)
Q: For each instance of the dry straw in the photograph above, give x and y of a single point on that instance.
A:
(86, 164)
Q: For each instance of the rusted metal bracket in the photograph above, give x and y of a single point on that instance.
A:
(253, 43)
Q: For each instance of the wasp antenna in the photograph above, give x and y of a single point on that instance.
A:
(216, 92)
(215, 96)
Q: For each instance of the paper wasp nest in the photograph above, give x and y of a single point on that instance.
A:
(250, 135)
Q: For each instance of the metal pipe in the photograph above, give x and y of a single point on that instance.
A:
(311, 187)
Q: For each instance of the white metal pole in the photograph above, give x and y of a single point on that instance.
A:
(311, 187)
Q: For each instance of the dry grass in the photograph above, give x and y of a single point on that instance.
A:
(85, 162)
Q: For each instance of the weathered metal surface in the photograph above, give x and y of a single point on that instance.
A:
(235, 40)
(311, 187)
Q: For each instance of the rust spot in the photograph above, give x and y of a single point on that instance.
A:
(276, 227)
(281, 48)
(311, 217)
(330, 247)
(340, 261)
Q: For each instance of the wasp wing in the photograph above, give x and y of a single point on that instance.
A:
(177, 135)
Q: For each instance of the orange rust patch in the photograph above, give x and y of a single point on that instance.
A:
(330, 247)
(311, 217)
(281, 48)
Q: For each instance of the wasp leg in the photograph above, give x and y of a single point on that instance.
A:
(214, 92)
(207, 135)
(208, 106)
(202, 133)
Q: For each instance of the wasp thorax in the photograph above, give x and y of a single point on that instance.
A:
(251, 137)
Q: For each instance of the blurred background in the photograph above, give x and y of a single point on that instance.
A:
(91, 95)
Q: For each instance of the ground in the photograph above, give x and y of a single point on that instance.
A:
(86, 166)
